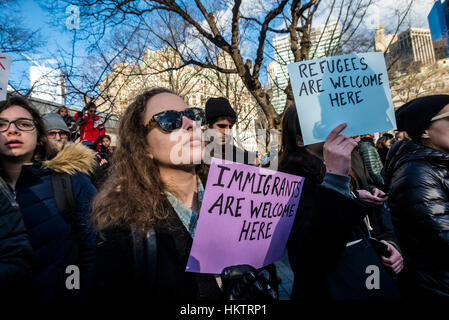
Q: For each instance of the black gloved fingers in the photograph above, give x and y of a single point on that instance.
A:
(236, 272)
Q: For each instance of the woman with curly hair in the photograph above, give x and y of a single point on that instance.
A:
(148, 208)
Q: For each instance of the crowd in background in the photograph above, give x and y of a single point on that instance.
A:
(127, 216)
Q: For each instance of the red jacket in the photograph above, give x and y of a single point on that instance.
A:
(92, 128)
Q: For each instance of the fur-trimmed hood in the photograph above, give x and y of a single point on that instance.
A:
(71, 158)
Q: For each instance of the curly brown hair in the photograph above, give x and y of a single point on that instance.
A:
(134, 193)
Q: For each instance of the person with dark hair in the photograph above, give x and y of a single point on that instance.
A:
(91, 125)
(104, 158)
(329, 246)
(15, 248)
(383, 145)
(147, 211)
(220, 118)
(417, 174)
(57, 130)
(54, 194)
(65, 114)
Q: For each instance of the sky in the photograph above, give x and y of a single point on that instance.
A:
(54, 35)
(58, 36)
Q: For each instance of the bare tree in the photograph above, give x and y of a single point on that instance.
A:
(418, 82)
(14, 37)
(196, 27)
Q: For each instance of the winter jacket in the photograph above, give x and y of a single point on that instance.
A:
(57, 243)
(328, 226)
(118, 276)
(15, 248)
(92, 127)
(372, 162)
(379, 217)
(418, 180)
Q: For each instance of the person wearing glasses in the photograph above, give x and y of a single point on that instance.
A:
(148, 208)
(90, 124)
(59, 233)
(57, 130)
(417, 175)
(221, 117)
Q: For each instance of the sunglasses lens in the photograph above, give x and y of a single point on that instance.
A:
(195, 114)
(169, 121)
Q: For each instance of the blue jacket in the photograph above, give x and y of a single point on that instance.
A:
(56, 243)
(15, 248)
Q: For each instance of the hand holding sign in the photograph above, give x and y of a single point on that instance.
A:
(337, 151)
(245, 218)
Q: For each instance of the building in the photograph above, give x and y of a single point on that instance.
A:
(325, 42)
(433, 79)
(412, 48)
(438, 19)
(195, 84)
(47, 84)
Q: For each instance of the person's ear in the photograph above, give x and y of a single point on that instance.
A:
(425, 134)
(299, 141)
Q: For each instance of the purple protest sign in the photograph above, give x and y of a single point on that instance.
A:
(246, 217)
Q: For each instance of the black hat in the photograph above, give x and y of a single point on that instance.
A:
(218, 107)
(415, 116)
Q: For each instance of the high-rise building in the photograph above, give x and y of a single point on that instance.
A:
(411, 48)
(438, 19)
(325, 42)
(47, 84)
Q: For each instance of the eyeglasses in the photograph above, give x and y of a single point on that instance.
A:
(171, 120)
(23, 124)
(62, 134)
(441, 116)
(92, 111)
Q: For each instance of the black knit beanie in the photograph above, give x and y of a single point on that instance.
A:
(218, 107)
(415, 116)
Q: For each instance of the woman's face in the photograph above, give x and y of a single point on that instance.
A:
(179, 147)
(14, 142)
(106, 142)
(437, 136)
(63, 112)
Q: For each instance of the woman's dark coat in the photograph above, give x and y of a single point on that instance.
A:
(325, 222)
(55, 242)
(418, 179)
(125, 264)
(15, 248)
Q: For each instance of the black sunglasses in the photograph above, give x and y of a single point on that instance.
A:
(171, 120)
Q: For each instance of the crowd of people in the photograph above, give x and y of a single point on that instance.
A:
(127, 216)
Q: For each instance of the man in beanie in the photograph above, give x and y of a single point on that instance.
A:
(417, 174)
(57, 128)
(221, 117)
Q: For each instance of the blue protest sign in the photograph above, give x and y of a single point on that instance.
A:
(351, 88)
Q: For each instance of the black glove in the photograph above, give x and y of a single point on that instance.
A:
(244, 282)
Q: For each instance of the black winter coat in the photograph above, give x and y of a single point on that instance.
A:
(324, 224)
(120, 273)
(15, 248)
(418, 179)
